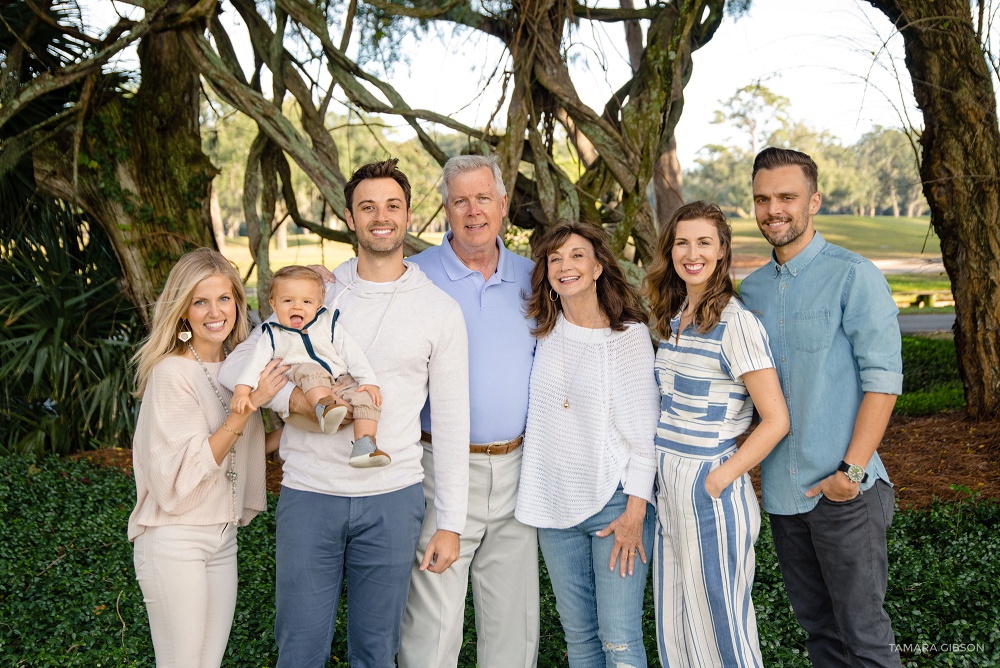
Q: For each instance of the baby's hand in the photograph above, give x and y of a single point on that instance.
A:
(241, 399)
(375, 393)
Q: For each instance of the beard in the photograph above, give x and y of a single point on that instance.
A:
(380, 247)
(796, 228)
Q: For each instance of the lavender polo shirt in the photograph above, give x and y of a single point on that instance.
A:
(501, 348)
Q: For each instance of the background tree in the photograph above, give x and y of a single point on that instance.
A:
(622, 143)
(950, 54)
(147, 177)
(131, 159)
(756, 111)
(889, 160)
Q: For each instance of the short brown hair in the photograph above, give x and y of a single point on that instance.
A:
(385, 169)
(667, 291)
(773, 158)
(615, 295)
(296, 271)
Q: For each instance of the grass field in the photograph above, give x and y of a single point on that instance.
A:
(878, 237)
(881, 237)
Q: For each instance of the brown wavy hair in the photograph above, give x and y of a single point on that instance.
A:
(667, 291)
(616, 298)
(385, 169)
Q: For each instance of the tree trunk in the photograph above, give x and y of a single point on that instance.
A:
(147, 181)
(218, 227)
(960, 169)
(667, 183)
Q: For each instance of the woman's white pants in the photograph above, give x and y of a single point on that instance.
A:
(188, 579)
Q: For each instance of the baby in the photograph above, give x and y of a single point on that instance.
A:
(326, 362)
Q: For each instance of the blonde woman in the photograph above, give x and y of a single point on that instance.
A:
(199, 471)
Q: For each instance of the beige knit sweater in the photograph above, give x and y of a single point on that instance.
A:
(176, 478)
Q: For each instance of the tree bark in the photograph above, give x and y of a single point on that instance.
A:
(147, 181)
(960, 170)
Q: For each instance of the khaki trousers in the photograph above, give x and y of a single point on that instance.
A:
(501, 556)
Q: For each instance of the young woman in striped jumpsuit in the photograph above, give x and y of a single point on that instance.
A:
(713, 366)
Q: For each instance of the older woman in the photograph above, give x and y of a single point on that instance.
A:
(713, 366)
(199, 471)
(588, 468)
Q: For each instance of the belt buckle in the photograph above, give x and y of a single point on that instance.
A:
(489, 452)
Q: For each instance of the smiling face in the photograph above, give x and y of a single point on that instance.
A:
(784, 204)
(379, 216)
(295, 301)
(696, 252)
(475, 211)
(211, 314)
(573, 268)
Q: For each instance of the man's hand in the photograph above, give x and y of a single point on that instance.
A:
(324, 273)
(374, 392)
(837, 487)
(441, 552)
(298, 404)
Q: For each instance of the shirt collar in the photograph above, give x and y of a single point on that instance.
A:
(799, 262)
(457, 270)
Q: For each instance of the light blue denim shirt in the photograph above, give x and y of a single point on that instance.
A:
(501, 347)
(832, 326)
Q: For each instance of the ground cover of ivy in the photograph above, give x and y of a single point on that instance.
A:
(68, 595)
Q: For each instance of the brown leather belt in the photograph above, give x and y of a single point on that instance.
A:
(488, 449)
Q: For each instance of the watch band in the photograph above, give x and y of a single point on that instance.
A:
(845, 467)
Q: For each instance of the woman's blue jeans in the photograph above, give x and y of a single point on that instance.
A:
(600, 611)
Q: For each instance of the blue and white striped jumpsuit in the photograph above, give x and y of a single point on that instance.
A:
(704, 547)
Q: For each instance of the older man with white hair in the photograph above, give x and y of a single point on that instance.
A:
(501, 554)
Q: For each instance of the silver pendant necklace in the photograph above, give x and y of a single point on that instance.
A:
(231, 473)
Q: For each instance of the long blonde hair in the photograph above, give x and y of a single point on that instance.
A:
(170, 307)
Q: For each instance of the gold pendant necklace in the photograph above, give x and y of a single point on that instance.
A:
(579, 361)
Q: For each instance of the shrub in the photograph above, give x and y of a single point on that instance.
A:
(68, 595)
(930, 377)
(65, 338)
(950, 396)
(928, 363)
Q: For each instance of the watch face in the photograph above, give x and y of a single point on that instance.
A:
(855, 473)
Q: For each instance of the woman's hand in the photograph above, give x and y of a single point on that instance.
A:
(627, 529)
(715, 482)
(272, 379)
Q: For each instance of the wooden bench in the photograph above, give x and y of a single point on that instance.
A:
(924, 299)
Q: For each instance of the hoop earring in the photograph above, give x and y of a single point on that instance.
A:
(553, 297)
(185, 334)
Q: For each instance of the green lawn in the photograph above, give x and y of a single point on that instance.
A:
(878, 237)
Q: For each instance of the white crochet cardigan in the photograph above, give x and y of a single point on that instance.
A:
(575, 457)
